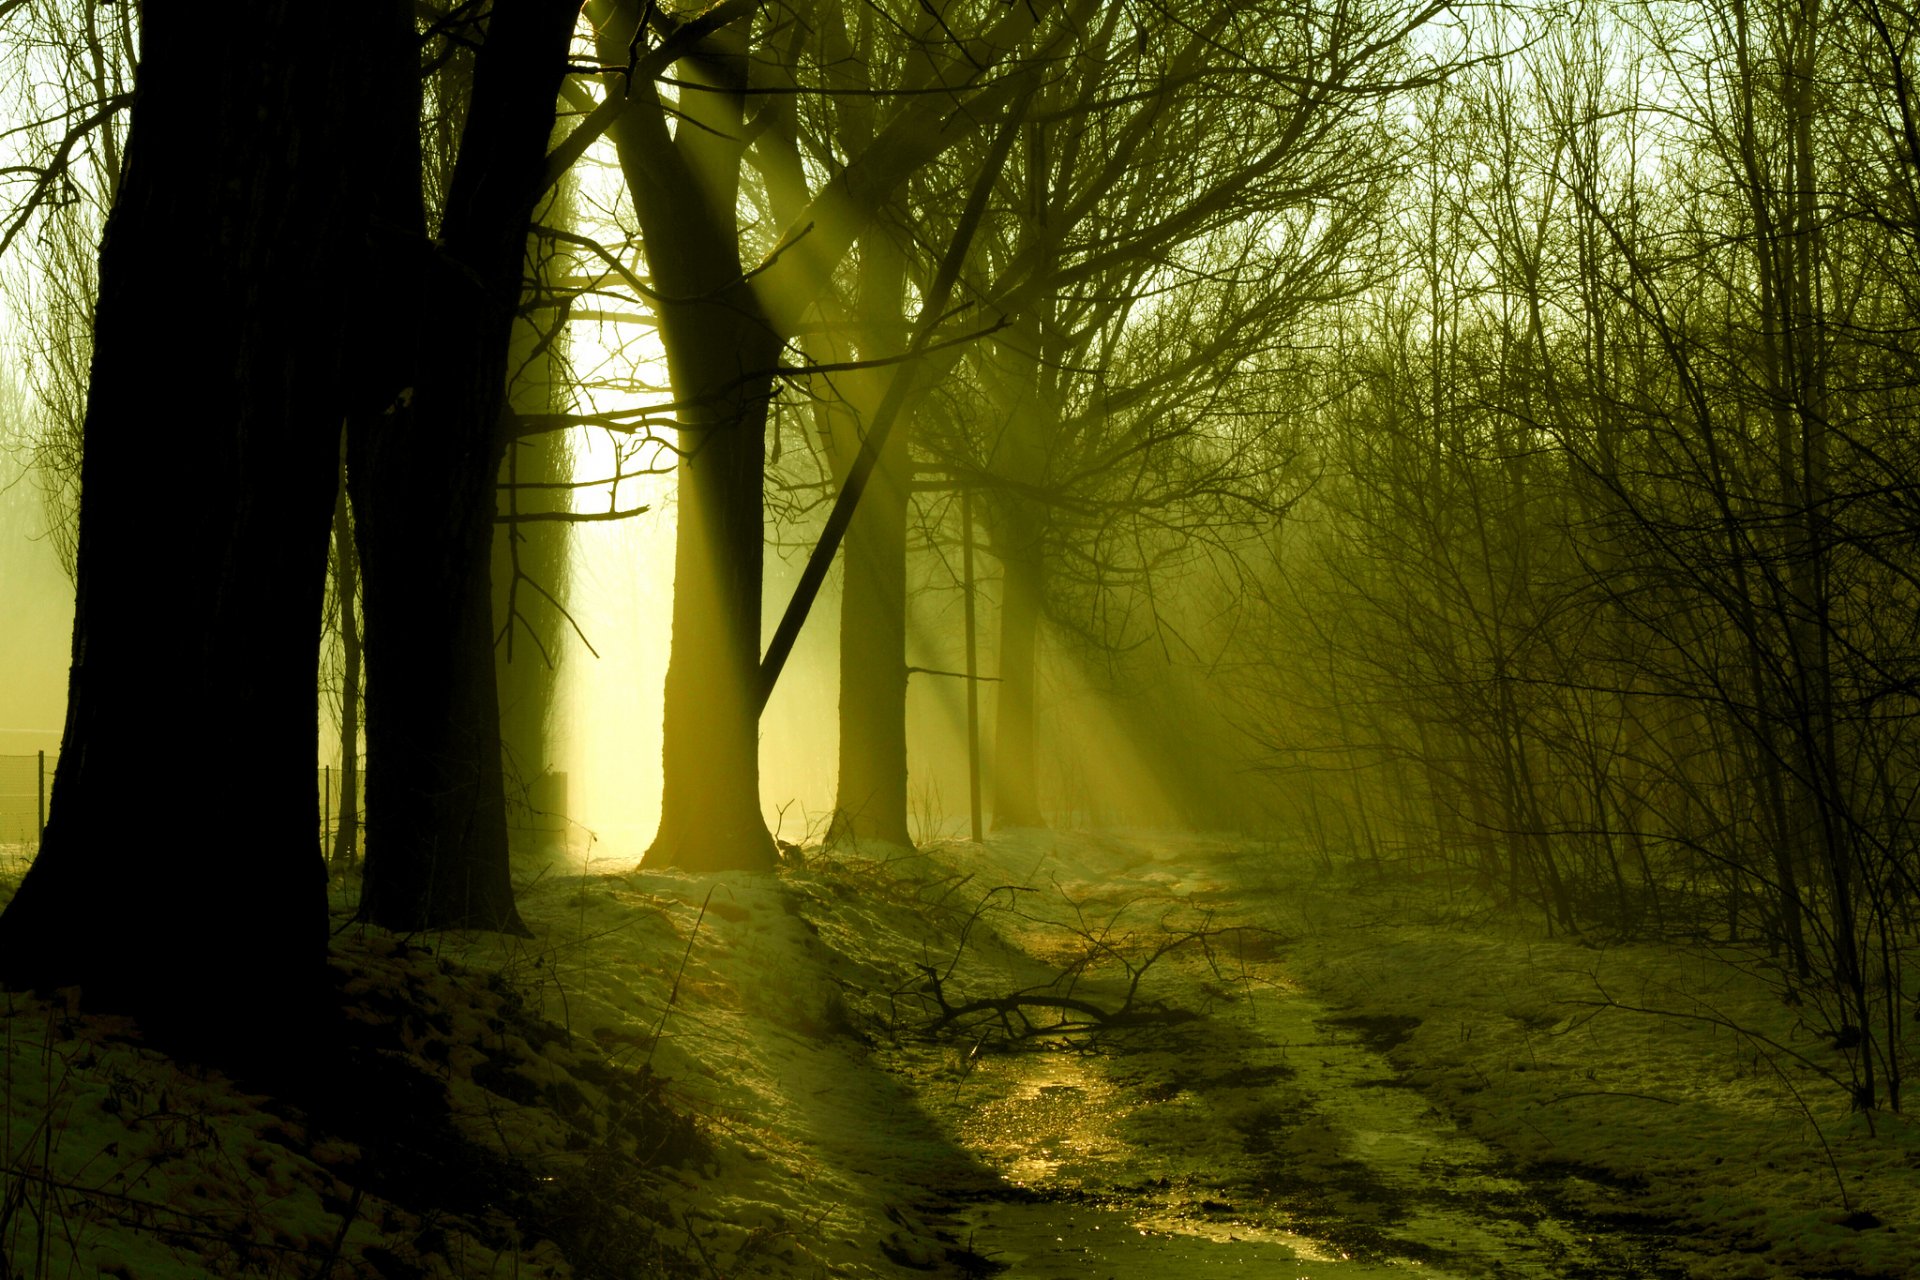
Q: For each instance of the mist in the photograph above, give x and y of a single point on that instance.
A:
(859, 638)
(36, 642)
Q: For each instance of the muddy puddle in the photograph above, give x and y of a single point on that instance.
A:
(1270, 1137)
(1046, 1241)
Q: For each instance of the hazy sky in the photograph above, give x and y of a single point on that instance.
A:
(36, 619)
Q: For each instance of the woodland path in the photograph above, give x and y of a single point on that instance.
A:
(1269, 1136)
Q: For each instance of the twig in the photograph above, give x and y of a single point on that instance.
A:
(1755, 1037)
(340, 1237)
(1612, 1093)
(674, 993)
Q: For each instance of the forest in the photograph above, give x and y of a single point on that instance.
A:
(962, 637)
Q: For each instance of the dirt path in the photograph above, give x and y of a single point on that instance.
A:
(1269, 1135)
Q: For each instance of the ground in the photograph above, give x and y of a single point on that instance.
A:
(1052, 1055)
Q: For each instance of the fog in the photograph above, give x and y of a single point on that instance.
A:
(36, 636)
(1099, 762)
(609, 725)
(1098, 766)
(1437, 496)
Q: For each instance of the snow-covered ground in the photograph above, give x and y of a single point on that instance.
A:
(752, 1075)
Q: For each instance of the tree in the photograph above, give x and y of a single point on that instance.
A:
(268, 165)
(1608, 544)
(74, 134)
(1150, 190)
(422, 473)
(724, 328)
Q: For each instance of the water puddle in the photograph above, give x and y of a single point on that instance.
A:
(1087, 1242)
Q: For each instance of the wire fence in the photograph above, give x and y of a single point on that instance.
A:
(26, 783)
(331, 787)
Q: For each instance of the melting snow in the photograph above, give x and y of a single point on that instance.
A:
(1375, 1080)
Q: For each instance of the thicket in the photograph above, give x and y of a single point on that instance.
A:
(1606, 600)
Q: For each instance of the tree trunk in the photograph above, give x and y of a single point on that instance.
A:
(266, 166)
(721, 355)
(710, 816)
(424, 476)
(1016, 798)
(871, 802)
(436, 802)
(872, 797)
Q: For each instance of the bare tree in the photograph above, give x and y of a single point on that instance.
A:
(437, 837)
(69, 74)
(247, 118)
(724, 327)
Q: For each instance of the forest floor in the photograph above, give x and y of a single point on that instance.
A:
(1057, 1054)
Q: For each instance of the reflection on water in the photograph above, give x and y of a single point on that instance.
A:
(1082, 1241)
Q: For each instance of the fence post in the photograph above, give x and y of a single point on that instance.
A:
(40, 796)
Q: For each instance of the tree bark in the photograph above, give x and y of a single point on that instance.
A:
(424, 474)
(266, 162)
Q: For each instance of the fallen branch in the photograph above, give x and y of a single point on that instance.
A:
(1059, 1007)
(1130, 1013)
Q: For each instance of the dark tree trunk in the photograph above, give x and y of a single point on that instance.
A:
(424, 475)
(266, 164)
(436, 804)
(721, 353)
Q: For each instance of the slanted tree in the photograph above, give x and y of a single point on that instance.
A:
(858, 329)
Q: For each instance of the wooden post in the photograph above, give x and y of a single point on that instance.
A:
(973, 674)
(40, 796)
